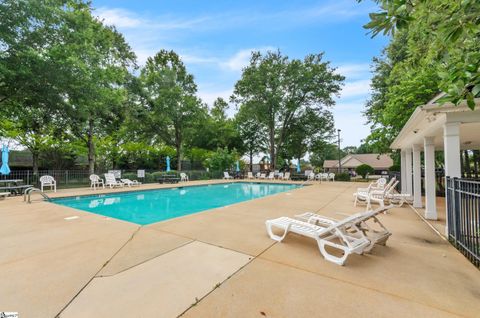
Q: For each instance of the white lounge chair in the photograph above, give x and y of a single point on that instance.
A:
(377, 233)
(227, 176)
(48, 181)
(311, 176)
(286, 176)
(280, 176)
(343, 235)
(257, 175)
(111, 182)
(271, 176)
(331, 176)
(250, 175)
(374, 196)
(183, 177)
(263, 176)
(130, 183)
(3, 195)
(96, 181)
(379, 184)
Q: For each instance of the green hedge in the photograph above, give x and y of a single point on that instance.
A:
(342, 176)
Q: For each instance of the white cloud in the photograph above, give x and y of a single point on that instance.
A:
(241, 59)
(210, 96)
(119, 17)
(354, 70)
(356, 88)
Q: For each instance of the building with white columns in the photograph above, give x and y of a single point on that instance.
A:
(434, 127)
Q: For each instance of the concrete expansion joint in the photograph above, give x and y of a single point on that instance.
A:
(95, 275)
(145, 261)
(218, 285)
(428, 223)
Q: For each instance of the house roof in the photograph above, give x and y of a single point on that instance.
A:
(375, 160)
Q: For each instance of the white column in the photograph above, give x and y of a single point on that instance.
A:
(430, 186)
(408, 170)
(451, 145)
(403, 180)
(417, 177)
(451, 142)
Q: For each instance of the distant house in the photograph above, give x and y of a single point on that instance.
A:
(350, 162)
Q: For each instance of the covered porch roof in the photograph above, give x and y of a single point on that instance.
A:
(428, 121)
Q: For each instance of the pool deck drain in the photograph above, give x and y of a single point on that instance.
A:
(221, 263)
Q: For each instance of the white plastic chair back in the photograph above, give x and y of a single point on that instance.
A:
(47, 180)
(110, 178)
(381, 182)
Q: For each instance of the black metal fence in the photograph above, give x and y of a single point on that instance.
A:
(78, 178)
(463, 214)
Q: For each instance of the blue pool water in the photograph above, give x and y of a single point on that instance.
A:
(150, 206)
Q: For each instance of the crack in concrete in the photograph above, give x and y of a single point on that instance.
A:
(102, 267)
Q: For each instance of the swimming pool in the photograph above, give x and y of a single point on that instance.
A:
(150, 206)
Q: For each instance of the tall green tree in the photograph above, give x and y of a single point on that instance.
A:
(305, 132)
(450, 28)
(252, 133)
(277, 90)
(98, 60)
(168, 92)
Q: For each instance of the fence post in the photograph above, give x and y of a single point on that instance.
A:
(28, 177)
(66, 177)
(456, 209)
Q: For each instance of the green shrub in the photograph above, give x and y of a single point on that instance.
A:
(394, 168)
(344, 176)
(364, 169)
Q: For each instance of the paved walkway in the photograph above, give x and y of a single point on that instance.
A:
(221, 263)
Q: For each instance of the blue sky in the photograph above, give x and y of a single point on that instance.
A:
(215, 38)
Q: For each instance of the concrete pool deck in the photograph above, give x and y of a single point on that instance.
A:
(221, 263)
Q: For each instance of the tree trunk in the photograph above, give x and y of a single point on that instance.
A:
(35, 156)
(476, 159)
(178, 146)
(272, 148)
(251, 160)
(467, 164)
(91, 148)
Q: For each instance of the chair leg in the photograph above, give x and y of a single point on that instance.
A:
(332, 258)
(274, 236)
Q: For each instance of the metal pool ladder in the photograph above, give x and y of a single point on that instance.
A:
(28, 192)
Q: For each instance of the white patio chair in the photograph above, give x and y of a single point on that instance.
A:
(280, 176)
(48, 181)
(96, 181)
(331, 176)
(344, 235)
(379, 184)
(250, 175)
(271, 176)
(130, 183)
(374, 196)
(311, 176)
(226, 175)
(286, 176)
(263, 176)
(377, 233)
(111, 182)
(257, 175)
(183, 177)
